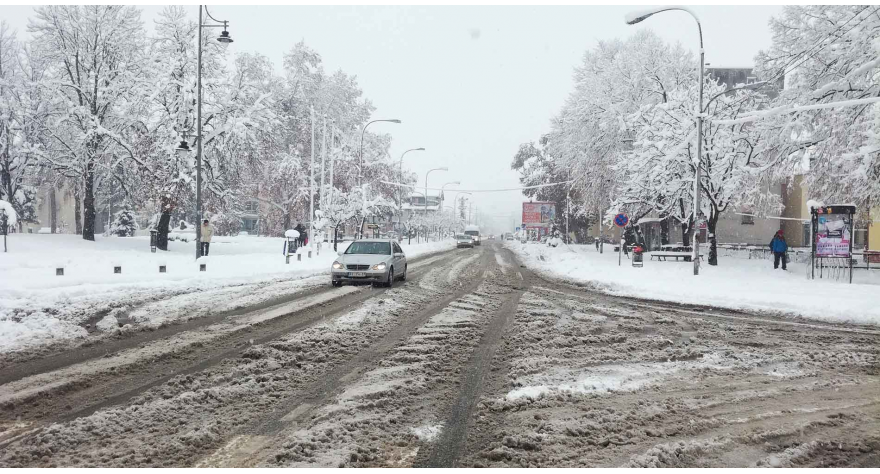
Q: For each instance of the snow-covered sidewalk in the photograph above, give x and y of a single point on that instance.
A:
(736, 283)
(38, 307)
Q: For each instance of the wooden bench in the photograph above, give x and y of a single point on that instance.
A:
(662, 256)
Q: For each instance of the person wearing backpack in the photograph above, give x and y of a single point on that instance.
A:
(779, 246)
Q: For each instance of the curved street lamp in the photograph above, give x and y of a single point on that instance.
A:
(639, 16)
(400, 181)
(360, 231)
(361, 150)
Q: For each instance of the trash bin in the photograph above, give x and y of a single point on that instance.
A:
(638, 257)
(154, 236)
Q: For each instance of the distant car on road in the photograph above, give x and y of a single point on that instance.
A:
(510, 237)
(464, 240)
(377, 261)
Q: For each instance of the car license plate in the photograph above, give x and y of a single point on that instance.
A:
(356, 274)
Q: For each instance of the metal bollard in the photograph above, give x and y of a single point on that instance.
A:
(162, 268)
(59, 271)
(299, 257)
(203, 267)
(287, 259)
(117, 269)
(310, 254)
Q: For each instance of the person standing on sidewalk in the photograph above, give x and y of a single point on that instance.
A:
(779, 246)
(207, 233)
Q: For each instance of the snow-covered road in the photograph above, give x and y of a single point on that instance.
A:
(474, 361)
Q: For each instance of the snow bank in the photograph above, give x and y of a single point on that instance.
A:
(736, 283)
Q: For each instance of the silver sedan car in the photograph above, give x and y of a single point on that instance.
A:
(378, 261)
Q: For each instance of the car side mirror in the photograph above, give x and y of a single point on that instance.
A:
(399, 254)
(339, 253)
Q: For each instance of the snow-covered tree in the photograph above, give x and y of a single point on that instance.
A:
(22, 115)
(124, 223)
(661, 167)
(591, 133)
(828, 54)
(95, 57)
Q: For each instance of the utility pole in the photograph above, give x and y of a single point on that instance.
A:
(322, 195)
(311, 236)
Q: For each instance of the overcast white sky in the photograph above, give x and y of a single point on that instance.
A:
(469, 83)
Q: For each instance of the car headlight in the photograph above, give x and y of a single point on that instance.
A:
(379, 266)
(337, 266)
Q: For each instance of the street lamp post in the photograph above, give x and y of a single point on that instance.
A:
(361, 163)
(400, 188)
(184, 146)
(426, 193)
(632, 19)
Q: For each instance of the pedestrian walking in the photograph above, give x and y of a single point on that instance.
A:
(207, 233)
(779, 246)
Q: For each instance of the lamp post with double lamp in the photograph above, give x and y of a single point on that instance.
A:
(184, 147)
(400, 181)
(426, 193)
(636, 17)
(361, 163)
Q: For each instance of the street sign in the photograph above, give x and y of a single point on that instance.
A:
(621, 220)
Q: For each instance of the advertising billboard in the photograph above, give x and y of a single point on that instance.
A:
(833, 235)
(538, 214)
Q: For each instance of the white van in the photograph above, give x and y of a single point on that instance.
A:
(474, 232)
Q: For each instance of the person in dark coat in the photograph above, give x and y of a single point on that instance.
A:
(779, 246)
(302, 232)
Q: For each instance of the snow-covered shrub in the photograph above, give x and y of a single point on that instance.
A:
(124, 223)
(8, 217)
(226, 224)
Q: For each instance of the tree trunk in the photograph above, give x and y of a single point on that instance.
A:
(162, 229)
(664, 231)
(88, 229)
(713, 243)
(286, 221)
(77, 208)
(53, 210)
(686, 232)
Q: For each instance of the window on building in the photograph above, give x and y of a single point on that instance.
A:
(751, 80)
(747, 218)
(248, 225)
(251, 207)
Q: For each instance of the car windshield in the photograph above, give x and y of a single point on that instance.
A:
(472, 232)
(463, 237)
(369, 248)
